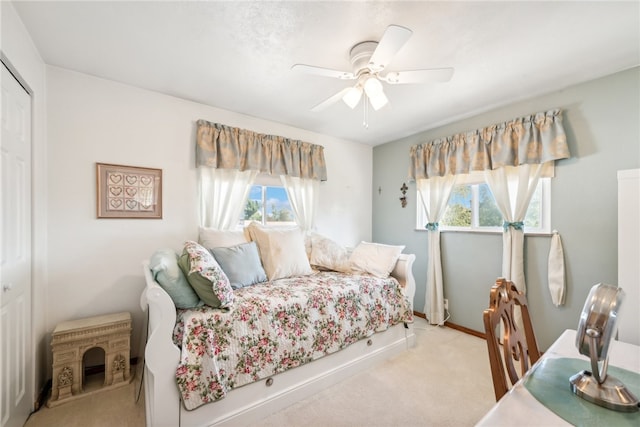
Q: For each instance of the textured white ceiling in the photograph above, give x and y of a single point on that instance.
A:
(237, 55)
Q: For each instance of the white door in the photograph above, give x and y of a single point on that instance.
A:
(629, 254)
(16, 383)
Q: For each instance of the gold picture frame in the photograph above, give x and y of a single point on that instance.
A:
(128, 191)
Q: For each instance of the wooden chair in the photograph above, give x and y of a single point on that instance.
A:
(517, 347)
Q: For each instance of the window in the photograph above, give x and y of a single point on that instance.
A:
(472, 207)
(268, 205)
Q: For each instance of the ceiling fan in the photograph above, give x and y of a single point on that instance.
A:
(369, 60)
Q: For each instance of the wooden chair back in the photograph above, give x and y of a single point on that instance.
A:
(518, 343)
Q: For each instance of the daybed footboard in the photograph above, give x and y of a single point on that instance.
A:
(403, 272)
(251, 402)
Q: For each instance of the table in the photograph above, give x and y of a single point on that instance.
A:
(519, 407)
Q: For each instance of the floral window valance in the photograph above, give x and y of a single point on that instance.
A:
(533, 139)
(224, 147)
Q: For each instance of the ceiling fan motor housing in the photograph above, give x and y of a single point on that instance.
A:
(360, 55)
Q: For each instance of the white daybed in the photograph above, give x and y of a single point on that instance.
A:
(252, 402)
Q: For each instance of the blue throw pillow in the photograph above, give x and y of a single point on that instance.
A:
(164, 267)
(241, 264)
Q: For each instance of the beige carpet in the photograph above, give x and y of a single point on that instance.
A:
(444, 381)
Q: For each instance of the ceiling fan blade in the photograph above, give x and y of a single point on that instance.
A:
(331, 100)
(434, 75)
(325, 72)
(391, 42)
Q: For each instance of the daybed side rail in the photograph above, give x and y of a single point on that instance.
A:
(404, 274)
(162, 399)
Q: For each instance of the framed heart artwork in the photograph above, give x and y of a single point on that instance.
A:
(128, 191)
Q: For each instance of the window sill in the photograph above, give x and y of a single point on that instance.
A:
(496, 232)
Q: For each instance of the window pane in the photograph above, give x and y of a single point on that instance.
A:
(458, 213)
(488, 213)
(278, 208)
(472, 207)
(253, 208)
(534, 213)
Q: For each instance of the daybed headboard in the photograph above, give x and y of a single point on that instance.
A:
(161, 355)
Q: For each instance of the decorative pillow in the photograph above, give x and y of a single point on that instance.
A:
(205, 276)
(375, 258)
(282, 251)
(307, 244)
(211, 238)
(241, 264)
(327, 254)
(164, 267)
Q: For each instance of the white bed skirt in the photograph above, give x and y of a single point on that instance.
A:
(249, 404)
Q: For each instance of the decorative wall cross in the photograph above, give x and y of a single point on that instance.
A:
(403, 199)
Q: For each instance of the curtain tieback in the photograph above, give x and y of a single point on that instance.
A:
(431, 226)
(518, 225)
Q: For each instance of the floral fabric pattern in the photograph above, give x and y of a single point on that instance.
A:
(203, 264)
(225, 147)
(330, 255)
(275, 326)
(533, 139)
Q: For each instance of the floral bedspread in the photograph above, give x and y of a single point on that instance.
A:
(275, 326)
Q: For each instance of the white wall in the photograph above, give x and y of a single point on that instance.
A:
(18, 49)
(95, 264)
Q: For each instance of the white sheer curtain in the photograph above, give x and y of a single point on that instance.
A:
(526, 141)
(512, 188)
(434, 194)
(223, 194)
(303, 195)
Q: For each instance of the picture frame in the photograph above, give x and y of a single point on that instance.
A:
(128, 191)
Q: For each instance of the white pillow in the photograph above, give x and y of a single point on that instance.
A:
(282, 251)
(211, 238)
(328, 254)
(375, 258)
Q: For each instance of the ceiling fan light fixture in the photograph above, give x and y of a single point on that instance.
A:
(373, 89)
(352, 97)
(372, 86)
(378, 101)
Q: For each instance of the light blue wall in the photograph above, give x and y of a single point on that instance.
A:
(602, 121)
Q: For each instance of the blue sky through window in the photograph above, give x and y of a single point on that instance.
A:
(460, 198)
(274, 197)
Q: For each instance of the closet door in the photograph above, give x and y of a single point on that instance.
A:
(629, 254)
(16, 394)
